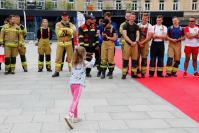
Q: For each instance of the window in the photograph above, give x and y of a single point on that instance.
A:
(71, 1)
(118, 4)
(72, 4)
(194, 4)
(161, 5)
(41, 3)
(147, 5)
(100, 5)
(2, 4)
(175, 5)
(54, 3)
(134, 5)
(21, 4)
(88, 2)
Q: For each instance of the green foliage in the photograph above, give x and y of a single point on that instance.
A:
(49, 5)
(8, 4)
(66, 5)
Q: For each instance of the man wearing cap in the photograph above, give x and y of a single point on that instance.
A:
(64, 31)
(88, 38)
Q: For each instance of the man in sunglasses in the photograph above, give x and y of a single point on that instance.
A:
(191, 45)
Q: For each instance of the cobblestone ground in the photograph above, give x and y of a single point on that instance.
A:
(37, 103)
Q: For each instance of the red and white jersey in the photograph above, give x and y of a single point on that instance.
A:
(193, 31)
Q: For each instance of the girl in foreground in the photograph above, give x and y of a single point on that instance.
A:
(77, 83)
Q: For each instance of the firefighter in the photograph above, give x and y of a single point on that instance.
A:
(6, 21)
(159, 34)
(175, 35)
(131, 35)
(88, 38)
(108, 49)
(65, 31)
(123, 42)
(22, 49)
(143, 48)
(44, 35)
(11, 37)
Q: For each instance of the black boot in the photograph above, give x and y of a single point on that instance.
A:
(174, 74)
(160, 74)
(6, 73)
(0, 66)
(168, 75)
(110, 73)
(123, 76)
(88, 70)
(143, 75)
(134, 76)
(103, 73)
(99, 73)
(12, 72)
(56, 74)
(49, 70)
(40, 70)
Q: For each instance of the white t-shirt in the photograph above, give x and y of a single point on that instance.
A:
(78, 74)
(158, 30)
(191, 42)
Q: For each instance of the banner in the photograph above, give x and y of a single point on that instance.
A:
(80, 19)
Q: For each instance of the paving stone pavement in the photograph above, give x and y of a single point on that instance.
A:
(37, 103)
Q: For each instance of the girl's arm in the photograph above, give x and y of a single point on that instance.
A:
(90, 64)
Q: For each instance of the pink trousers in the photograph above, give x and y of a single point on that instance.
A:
(76, 90)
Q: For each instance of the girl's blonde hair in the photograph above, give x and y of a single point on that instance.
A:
(78, 56)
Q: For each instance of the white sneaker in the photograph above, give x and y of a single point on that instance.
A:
(77, 120)
(69, 120)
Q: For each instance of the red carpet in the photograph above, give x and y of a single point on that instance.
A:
(181, 92)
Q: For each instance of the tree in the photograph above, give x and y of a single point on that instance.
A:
(49, 5)
(66, 5)
(9, 4)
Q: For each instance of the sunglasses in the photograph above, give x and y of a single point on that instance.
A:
(192, 21)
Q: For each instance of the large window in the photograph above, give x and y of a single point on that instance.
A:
(100, 5)
(194, 4)
(175, 5)
(134, 5)
(72, 4)
(118, 4)
(161, 5)
(2, 3)
(41, 3)
(21, 4)
(54, 3)
(147, 5)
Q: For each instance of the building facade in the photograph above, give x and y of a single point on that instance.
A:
(51, 9)
(189, 7)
